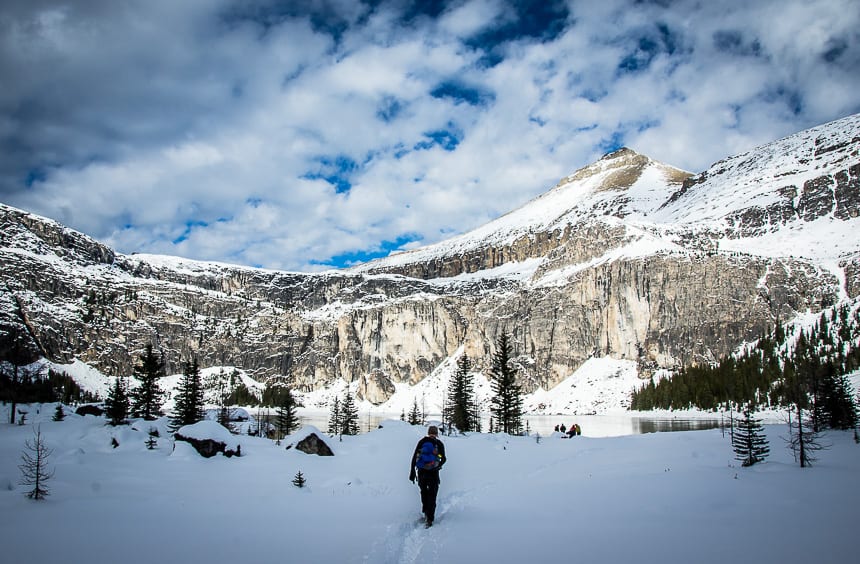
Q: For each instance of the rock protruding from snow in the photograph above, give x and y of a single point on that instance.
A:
(309, 440)
(209, 438)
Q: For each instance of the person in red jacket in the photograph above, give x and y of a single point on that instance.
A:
(426, 461)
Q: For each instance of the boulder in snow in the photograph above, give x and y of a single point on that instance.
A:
(309, 442)
(90, 410)
(209, 438)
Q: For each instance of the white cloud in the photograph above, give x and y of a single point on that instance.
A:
(182, 128)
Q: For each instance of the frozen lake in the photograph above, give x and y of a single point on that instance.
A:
(591, 425)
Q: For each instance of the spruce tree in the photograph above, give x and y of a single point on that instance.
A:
(415, 415)
(117, 403)
(349, 415)
(147, 398)
(286, 418)
(334, 421)
(749, 443)
(188, 407)
(840, 408)
(506, 404)
(299, 480)
(225, 414)
(460, 399)
(59, 413)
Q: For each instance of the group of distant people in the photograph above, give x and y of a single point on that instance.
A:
(572, 432)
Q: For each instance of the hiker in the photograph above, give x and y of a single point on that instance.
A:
(578, 429)
(428, 459)
(572, 431)
(556, 428)
(563, 428)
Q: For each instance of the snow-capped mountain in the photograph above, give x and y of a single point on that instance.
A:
(626, 259)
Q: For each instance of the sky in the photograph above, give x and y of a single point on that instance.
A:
(312, 135)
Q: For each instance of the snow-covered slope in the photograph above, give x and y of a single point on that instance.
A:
(798, 194)
(658, 498)
(621, 184)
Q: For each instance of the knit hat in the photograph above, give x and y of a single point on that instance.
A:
(433, 430)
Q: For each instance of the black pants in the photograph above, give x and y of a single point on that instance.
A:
(428, 481)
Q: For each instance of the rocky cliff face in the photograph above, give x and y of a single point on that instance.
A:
(625, 258)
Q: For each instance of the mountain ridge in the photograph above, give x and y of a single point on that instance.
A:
(624, 258)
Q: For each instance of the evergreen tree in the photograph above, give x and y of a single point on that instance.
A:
(334, 421)
(147, 397)
(117, 403)
(188, 407)
(415, 415)
(17, 356)
(840, 408)
(59, 413)
(460, 400)
(241, 395)
(349, 415)
(299, 480)
(34, 466)
(506, 404)
(225, 414)
(749, 443)
(286, 418)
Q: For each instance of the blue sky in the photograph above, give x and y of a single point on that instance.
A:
(310, 135)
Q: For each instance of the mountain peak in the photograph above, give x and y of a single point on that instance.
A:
(620, 170)
(619, 153)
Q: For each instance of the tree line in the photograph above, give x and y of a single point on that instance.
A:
(776, 372)
(145, 400)
(804, 373)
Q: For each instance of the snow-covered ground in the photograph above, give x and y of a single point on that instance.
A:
(660, 497)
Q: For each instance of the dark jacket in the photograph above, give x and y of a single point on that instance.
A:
(439, 447)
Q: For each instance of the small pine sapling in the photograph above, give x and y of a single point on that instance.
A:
(151, 443)
(59, 413)
(299, 480)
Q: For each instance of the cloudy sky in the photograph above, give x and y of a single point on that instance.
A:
(304, 135)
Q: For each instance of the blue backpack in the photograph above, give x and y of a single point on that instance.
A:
(428, 457)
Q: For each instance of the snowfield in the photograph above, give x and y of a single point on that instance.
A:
(654, 498)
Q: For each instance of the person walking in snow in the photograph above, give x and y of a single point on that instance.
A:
(425, 463)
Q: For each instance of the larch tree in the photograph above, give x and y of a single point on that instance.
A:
(34, 466)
